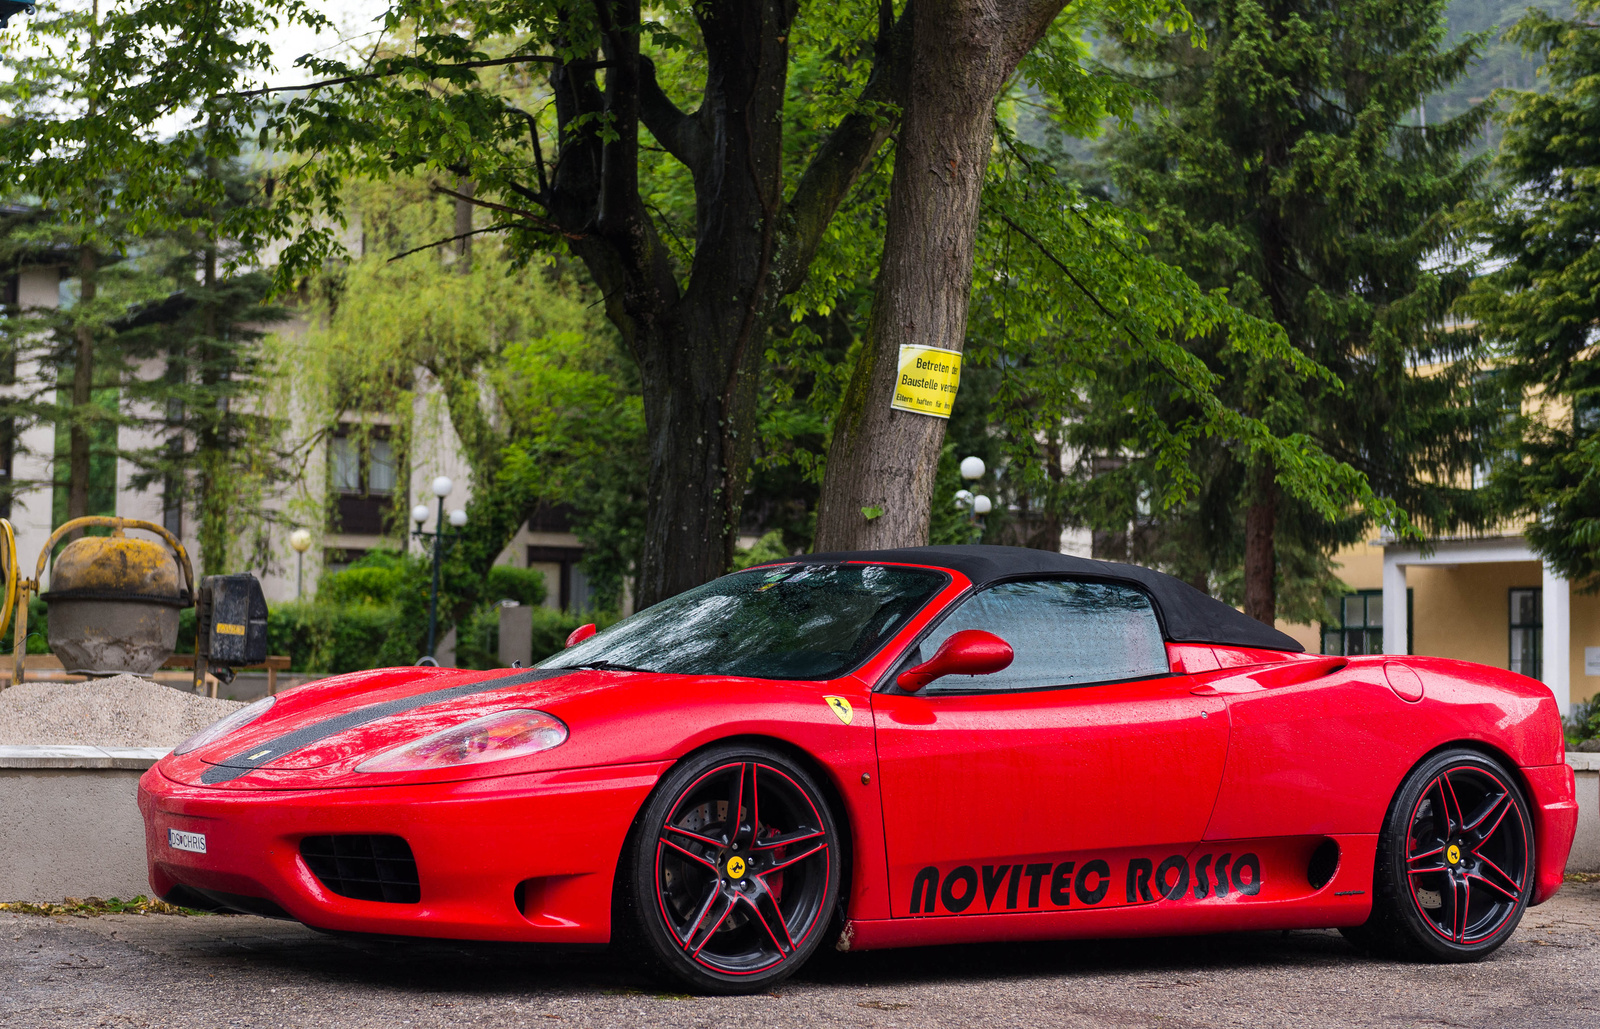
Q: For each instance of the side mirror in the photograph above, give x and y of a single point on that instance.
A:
(968, 652)
(580, 634)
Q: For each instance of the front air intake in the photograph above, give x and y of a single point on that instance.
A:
(363, 867)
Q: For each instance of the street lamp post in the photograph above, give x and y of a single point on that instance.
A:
(300, 540)
(972, 468)
(458, 518)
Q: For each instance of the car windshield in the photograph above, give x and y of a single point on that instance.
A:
(788, 622)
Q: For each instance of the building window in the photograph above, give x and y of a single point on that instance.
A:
(570, 590)
(1527, 632)
(336, 560)
(1359, 628)
(364, 474)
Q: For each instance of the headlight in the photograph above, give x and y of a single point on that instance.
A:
(216, 730)
(493, 737)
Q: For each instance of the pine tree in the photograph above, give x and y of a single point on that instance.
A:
(1284, 164)
(145, 216)
(219, 452)
(1539, 306)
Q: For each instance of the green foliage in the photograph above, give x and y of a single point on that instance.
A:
(551, 629)
(951, 523)
(478, 636)
(1584, 722)
(529, 378)
(524, 585)
(378, 577)
(91, 95)
(1283, 175)
(138, 213)
(38, 629)
(1501, 63)
(1537, 303)
(767, 549)
(335, 638)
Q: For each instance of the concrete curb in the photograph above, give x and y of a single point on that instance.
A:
(80, 756)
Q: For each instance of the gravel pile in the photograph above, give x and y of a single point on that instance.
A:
(119, 711)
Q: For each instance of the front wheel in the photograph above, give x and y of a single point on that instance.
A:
(1455, 862)
(733, 870)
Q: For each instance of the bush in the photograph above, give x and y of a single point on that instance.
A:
(332, 638)
(1583, 724)
(376, 578)
(524, 585)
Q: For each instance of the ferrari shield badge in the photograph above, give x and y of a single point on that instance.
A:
(841, 707)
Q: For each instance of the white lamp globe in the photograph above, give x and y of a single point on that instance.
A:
(972, 468)
(981, 504)
(963, 497)
(442, 486)
(300, 540)
(419, 514)
(458, 518)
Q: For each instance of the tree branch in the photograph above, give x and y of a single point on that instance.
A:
(539, 221)
(681, 134)
(444, 242)
(844, 156)
(404, 66)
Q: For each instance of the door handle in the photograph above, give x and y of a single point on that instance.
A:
(1206, 690)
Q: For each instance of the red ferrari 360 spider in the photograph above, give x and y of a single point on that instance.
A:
(934, 745)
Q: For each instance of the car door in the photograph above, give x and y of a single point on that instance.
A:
(1077, 777)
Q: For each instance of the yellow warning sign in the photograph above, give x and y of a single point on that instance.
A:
(927, 380)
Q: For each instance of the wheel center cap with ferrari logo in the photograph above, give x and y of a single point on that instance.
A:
(1453, 854)
(735, 867)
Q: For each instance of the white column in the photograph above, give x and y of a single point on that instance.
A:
(1394, 602)
(1557, 642)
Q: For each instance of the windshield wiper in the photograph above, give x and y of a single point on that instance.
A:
(608, 666)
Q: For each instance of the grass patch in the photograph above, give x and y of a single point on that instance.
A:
(92, 907)
(1583, 877)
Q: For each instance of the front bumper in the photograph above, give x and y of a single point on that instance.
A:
(1555, 823)
(548, 841)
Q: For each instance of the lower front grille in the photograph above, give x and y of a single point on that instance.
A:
(377, 868)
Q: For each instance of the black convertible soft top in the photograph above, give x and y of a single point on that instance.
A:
(1187, 615)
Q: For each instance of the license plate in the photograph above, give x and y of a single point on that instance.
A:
(193, 842)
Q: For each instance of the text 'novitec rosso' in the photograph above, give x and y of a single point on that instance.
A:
(1066, 882)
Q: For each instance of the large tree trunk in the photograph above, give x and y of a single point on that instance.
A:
(1260, 545)
(699, 341)
(699, 344)
(78, 435)
(878, 486)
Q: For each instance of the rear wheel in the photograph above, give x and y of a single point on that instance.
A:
(733, 870)
(1455, 862)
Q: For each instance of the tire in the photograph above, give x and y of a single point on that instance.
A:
(1455, 863)
(731, 907)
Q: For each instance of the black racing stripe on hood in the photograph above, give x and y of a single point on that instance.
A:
(244, 763)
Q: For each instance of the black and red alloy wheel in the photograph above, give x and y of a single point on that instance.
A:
(736, 869)
(1467, 855)
(1455, 862)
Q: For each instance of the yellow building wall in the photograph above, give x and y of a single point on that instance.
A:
(1463, 612)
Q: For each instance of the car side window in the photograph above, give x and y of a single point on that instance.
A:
(1063, 634)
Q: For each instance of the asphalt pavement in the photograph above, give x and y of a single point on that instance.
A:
(172, 971)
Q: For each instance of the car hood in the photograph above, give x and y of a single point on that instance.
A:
(314, 736)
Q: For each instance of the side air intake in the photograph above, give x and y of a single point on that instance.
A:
(379, 868)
